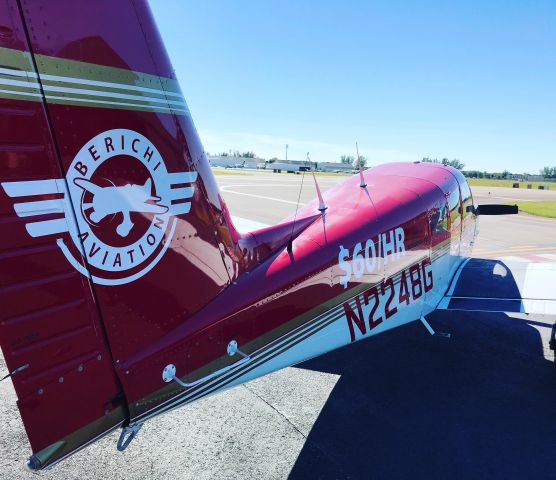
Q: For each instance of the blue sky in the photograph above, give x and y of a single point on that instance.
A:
(472, 80)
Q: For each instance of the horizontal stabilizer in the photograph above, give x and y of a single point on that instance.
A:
(245, 225)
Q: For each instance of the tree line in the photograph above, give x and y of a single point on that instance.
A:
(505, 175)
(548, 172)
(452, 163)
(351, 160)
(237, 154)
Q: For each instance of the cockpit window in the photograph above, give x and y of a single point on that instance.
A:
(466, 197)
(439, 218)
(455, 209)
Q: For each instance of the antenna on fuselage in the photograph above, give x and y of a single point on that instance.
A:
(322, 205)
(290, 241)
(362, 183)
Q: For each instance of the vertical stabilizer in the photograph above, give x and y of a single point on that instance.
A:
(113, 228)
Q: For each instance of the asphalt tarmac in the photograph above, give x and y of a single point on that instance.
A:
(481, 404)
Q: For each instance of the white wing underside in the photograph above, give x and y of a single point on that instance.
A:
(505, 285)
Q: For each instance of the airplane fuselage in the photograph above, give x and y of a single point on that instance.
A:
(379, 257)
(109, 325)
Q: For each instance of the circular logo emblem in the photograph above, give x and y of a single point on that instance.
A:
(124, 201)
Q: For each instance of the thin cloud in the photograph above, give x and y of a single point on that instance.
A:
(268, 146)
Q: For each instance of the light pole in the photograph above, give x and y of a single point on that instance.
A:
(286, 152)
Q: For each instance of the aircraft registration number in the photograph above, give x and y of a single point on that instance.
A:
(380, 302)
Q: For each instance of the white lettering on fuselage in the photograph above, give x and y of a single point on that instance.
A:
(369, 256)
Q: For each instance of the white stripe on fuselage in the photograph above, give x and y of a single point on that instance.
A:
(319, 341)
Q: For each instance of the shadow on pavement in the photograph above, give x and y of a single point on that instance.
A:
(479, 405)
(488, 285)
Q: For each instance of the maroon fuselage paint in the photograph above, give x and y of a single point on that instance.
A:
(94, 349)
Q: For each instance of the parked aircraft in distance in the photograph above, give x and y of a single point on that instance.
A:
(236, 165)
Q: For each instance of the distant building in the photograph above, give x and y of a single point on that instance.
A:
(526, 178)
(335, 167)
(535, 178)
(235, 162)
(282, 165)
(291, 165)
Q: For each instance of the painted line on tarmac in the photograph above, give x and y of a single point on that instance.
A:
(520, 247)
(532, 249)
(499, 253)
(261, 185)
(273, 199)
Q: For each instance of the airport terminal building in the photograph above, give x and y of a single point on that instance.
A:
(279, 165)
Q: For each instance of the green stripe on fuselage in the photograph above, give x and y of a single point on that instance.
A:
(69, 76)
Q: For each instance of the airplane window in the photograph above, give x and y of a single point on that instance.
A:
(454, 206)
(466, 198)
(453, 200)
(439, 218)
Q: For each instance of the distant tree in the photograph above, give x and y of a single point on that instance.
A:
(272, 160)
(505, 174)
(452, 163)
(455, 163)
(363, 162)
(347, 159)
(548, 172)
(223, 154)
(247, 155)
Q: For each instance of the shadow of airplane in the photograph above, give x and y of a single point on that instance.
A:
(487, 285)
(408, 405)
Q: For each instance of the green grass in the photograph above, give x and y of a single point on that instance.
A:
(490, 182)
(545, 208)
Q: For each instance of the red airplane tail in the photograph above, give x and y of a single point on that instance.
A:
(97, 273)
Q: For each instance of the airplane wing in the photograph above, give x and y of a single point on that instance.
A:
(511, 284)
